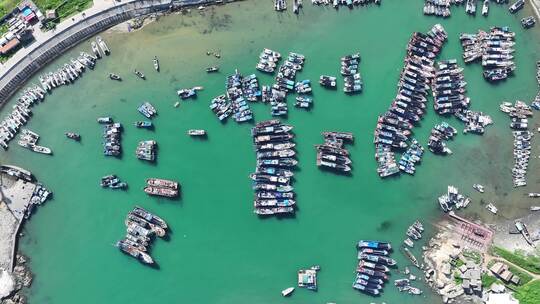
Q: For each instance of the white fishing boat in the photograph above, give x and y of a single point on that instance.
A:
(41, 149)
(156, 63)
(492, 208)
(535, 208)
(478, 188)
(194, 132)
(287, 292)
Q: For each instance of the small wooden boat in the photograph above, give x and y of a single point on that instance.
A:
(140, 74)
(287, 292)
(212, 69)
(156, 64)
(73, 136)
(113, 76)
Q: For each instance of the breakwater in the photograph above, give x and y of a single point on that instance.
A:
(18, 73)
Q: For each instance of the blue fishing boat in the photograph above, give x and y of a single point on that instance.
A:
(143, 124)
(374, 245)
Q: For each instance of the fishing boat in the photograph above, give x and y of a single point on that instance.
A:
(166, 192)
(134, 252)
(95, 49)
(164, 183)
(143, 124)
(103, 45)
(212, 69)
(156, 63)
(535, 208)
(140, 74)
(113, 76)
(41, 149)
(196, 132)
(73, 136)
(485, 8)
(287, 292)
(491, 207)
(478, 188)
(104, 120)
(374, 245)
(534, 194)
(150, 217)
(408, 242)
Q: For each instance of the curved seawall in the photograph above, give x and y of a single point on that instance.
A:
(19, 72)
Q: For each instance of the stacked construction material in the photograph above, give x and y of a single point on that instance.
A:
(475, 122)
(373, 266)
(494, 48)
(352, 80)
(268, 60)
(440, 8)
(146, 150)
(273, 176)
(142, 226)
(331, 155)
(284, 83)
(112, 135)
(522, 153)
(393, 127)
(453, 200)
(162, 187)
(449, 88)
(439, 135)
(411, 157)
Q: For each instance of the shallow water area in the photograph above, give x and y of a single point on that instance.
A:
(219, 251)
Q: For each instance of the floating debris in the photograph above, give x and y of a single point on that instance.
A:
(142, 226)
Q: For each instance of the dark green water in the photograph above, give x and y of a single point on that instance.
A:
(219, 251)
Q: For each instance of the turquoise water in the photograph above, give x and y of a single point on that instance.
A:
(219, 251)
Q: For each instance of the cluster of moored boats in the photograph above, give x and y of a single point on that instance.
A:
(394, 126)
(522, 154)
(268, 60)
(307, 278)
(66, 74)
(373, 266)
(239, 90)
(528, 22)
(147, 110)
(273, 142)
(162, 187)
(495, 49)
(113, 182)
(414, 233)
(29, 139)
(439, 8)
(332, 154)
(352, 80)
(404, 285)
(146, 150)
(439, 135)
(303, 100)
(328, 82)
(112, 133)
(347, 3)
(452, 199)
(475, 121)
(411, 157)
(518, 112)
(141, 228)
(449, 88)
(285, 83)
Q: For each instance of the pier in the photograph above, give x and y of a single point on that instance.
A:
(50, 45)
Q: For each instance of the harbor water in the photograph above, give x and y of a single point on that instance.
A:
(218, 250)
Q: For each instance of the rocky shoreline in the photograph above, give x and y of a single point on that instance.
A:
(21, 278)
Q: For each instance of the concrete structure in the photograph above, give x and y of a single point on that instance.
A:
(48, 46)
(501, 271)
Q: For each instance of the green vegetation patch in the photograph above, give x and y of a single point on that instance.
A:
(472, 255)
(527, 262)
(524, 277)
(529, 293)
(64, 8)
(7, 6)
(488, 280)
